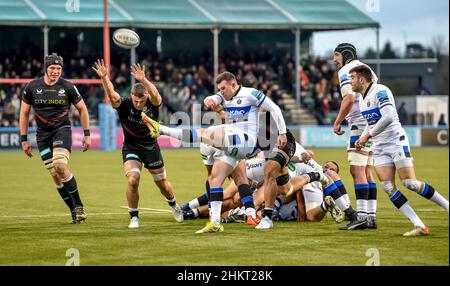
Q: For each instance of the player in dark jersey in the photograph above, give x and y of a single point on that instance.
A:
(51, 97)
(138, 146)
(276, 175)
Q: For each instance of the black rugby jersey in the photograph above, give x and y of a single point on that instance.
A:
(51, 104)
(135, 131)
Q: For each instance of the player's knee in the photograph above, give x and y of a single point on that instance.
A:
(160, 177)
(235, 201)
(412, 185)
(310, 216)
(357, 172)
(133, 179)
(60, 169)
(388, 187)
(60, 161)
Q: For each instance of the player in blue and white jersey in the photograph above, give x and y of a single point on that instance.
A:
(390, 147)
(360, 161)
(237, 139)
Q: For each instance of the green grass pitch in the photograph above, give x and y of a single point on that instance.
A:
(34, 227)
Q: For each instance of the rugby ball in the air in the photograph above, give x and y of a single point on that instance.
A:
(126, 38)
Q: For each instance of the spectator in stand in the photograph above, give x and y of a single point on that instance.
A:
(441, 122)
(402, 114)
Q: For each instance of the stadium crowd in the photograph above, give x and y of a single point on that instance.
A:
(182, 84)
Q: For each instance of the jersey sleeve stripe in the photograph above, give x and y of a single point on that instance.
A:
(344, 84)
(384, 105)
(261, 102)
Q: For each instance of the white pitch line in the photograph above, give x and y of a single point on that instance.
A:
(150, 209)
(67, 215)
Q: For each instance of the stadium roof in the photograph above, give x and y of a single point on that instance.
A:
(181, 14)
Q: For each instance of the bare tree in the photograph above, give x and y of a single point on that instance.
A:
(439, 45)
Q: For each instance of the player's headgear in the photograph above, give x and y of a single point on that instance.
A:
(52, 59)
(348, 52)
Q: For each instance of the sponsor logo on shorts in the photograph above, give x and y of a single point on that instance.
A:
(156, 163)
(58, 142)
(256, 165)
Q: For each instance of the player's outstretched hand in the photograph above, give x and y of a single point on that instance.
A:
(100, 68)
(138, 72)
(86, 143)
(26, 147)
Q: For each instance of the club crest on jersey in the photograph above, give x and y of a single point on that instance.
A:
(61, 92)
(144, 109)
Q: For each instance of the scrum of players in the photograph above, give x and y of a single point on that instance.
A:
(307, 201)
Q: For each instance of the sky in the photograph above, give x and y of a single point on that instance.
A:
(401, 21)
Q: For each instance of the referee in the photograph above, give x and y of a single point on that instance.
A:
(51, 97)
